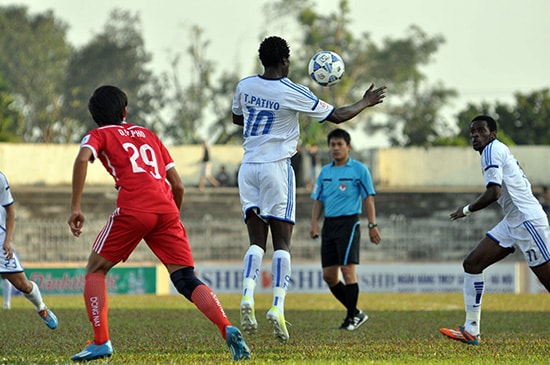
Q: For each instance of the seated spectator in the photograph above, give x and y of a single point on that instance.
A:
(222, 177)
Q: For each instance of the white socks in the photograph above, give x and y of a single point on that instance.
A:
(35, 297)
(6, 290)
(280, 271)
(251, 269)
(473, 294)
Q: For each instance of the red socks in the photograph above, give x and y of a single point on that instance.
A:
(95, 297)
(206, 301)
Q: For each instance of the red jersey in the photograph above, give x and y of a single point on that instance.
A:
(137, 160)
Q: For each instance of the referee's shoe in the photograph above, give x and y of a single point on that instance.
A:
(353, 323)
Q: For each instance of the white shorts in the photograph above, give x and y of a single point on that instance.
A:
(532, 238)
(10, 266)
(270, 188)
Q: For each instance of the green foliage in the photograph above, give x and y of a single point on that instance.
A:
(524, 123)
(33, 62)
(115, 56)
(412, 108)
(190, 101)
(403, 329)
(48, 82)
(9, 116)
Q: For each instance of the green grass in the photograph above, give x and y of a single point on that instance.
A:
(402, 329)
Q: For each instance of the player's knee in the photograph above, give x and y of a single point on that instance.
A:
(472, 267)
(185, 281)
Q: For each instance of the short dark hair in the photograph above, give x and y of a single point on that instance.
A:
(106, 105)
(273, 50)
(339, 133)
(491, 123)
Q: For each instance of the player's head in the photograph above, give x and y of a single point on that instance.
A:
(274, 51)
(483, 130)
(107, 105)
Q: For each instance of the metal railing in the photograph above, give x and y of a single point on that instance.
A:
(403, 239)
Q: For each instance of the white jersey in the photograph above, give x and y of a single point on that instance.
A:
(517, 200)
(6, 199)
(270, 110)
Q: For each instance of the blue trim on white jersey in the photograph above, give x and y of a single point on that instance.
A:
(492, 237)
(291, 193)
(299, 88)
(488, 151)
(539, 241)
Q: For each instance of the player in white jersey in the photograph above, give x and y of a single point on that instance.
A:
(525, 224)
(267, 106)
(6, 292)
(10, 265)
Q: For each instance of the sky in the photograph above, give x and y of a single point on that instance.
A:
(493, 48)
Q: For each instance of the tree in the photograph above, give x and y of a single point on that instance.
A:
(197, 99)
(414, 109)
(523, 123)
(115, 56)
(189, 102)
(9, 117)
(33, 62)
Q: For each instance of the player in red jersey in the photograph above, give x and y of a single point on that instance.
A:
(150, 194)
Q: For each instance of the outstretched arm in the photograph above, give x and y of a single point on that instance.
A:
(371, 97)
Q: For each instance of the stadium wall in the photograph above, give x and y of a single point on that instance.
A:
(414, 167)
(306, 278)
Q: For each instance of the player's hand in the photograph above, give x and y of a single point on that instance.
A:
(374, 96)
(457, 214)
(76, 222)
(8, 250)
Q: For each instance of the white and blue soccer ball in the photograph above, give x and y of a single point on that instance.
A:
(326, 68)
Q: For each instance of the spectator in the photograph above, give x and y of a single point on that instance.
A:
(206, 168)
(222, 177)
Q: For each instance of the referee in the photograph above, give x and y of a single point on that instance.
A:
(339, 192)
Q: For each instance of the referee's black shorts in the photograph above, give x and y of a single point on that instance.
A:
(340, 241)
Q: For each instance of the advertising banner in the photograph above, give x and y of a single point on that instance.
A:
(391, 277)
(70, 280)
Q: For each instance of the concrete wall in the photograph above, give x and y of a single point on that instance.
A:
(51, 164)
(450, 166)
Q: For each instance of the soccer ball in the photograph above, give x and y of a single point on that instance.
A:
(326, 68)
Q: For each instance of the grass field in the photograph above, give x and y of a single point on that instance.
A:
(402, 329)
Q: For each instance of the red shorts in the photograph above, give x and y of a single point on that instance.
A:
(163, 233)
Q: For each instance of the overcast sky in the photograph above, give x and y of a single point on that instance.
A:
(493, 47)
